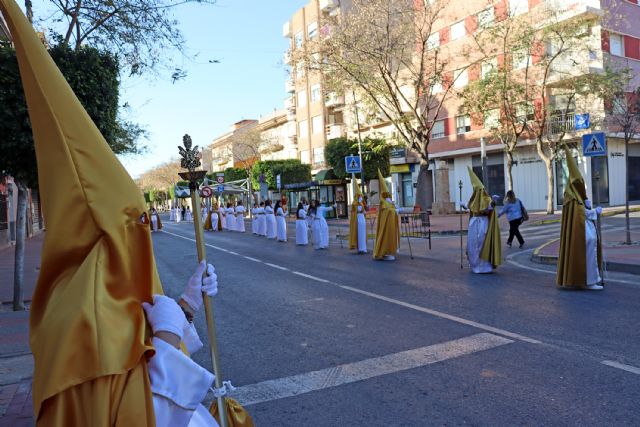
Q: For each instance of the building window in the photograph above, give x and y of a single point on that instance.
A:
(616, 44)
(299, 39)
(312, 31)
(518, 7)
(433, 41)
(461, 78)
(305, 157)
(458, 30)
(317, 126)
(486, 18)
(303, 129)
(437, 131)
(492, 119)
(318, 155)
(302, 99)
(489, 67)
(315, 92)
(463, 124)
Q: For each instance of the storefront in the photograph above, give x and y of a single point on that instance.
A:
(326, 188)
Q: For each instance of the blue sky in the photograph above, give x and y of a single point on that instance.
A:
(246, 36)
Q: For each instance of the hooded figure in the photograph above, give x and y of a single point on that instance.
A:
(387, 226)
(357, 221)
(484, 249)
(580, 253)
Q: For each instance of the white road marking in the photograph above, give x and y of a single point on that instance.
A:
(407, 305)
(308, 276)
(252, 259)
(279, 267)
(281, 388)
(622, 366)
(233, 253)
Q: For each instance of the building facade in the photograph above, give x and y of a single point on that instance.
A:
(279, 136)
(236, 147)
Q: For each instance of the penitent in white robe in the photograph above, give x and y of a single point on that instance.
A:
(478, 226)
(172, 214)
(362, 230)
(272, 232)
(188, 216)
(320, 228)
(240, 219)
(231, 219)
(591, 236)
(254, 221)
(302, 228)
(281, 226)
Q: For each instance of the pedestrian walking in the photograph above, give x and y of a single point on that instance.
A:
(188, 215)
(240, 218)
(281, 223)
(302, 228)
(261, 222)
(515, 211)
(272, 232)
(319, 226)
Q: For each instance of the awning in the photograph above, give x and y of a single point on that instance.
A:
(182, 192)
(325, 174)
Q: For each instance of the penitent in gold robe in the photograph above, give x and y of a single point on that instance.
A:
(387, 231)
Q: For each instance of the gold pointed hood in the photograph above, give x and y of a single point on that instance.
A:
(97, 259)
(383, 186)
(479, 200)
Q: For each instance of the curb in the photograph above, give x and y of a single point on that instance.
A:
(608, 265)
(604, 214)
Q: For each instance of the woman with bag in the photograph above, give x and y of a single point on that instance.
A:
(516, 215)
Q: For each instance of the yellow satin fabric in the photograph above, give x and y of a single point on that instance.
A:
(114, 400)
(572, 262)
(207, 223)
(492, 246)
(97, 260)
(353, 224)
(159, 223)
(387, 231)
(237, 416)
(480, 199)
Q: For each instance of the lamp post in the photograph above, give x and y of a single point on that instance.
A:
(190, 161)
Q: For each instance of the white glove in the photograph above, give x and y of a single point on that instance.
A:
(192, 294)
(599, 210)
(191, 339)
(165, 315)
(587, 204)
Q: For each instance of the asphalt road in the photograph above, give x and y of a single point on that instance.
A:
(326, 338)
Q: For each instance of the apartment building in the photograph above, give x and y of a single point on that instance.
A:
(238, 146)
(279, 136)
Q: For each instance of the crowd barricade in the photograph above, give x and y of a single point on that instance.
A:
(415, 225)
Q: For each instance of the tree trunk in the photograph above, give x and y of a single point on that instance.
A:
(422, 189)
(21, 228)
(509, 168)
(547, 159)
(626, 191)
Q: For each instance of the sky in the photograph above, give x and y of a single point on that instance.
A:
(246, 37)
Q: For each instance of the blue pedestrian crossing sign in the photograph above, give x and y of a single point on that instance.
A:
(352, 164)
(594, 144)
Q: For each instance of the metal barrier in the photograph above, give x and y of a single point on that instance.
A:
(415, 225)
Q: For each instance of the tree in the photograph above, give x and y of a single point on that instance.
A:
(291, 171)
(624, 117)
(383, 52)
(375, 155)
(235, 174)
(93, 75)
(140, 32)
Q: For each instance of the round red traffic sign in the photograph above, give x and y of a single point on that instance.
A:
(220, 179)
(206, 192)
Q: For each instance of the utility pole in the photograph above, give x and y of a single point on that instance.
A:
(485, 172)
(355, 106)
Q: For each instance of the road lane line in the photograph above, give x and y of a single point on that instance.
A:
(308, 276)
(295, 385)
(252, 259)
(444, 315)
(622, 366)
(279, 267)
(233, 253)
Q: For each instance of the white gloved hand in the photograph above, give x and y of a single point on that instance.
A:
(191, 338)
(192, 294)
(599, 210)
(587, 204)
(165, 315)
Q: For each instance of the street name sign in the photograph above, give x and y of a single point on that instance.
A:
(594, 144)
(352, 164)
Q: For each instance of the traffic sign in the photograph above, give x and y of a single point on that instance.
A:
(352, 164)
(220, 188)
(278, 181)
(594, 144)
(220, 178)
(206, 191)
(582, 121)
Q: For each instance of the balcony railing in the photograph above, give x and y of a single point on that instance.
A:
(334, 100)
(328, 5)
(336, 130)
(287, 57)
(560, 123)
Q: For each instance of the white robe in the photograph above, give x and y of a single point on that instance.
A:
(591, 237)
(240, 219)
(231, 219)
(261, 222)
(302, 228)
(188, 216)
(172, 214)
(178, 215)
(154, 222)
(478, 226)
(271, 223)
(222, 212)
(320, 228)
(178, 385)
(254, 221)
(205, 213)
(281, 226)
(362, 230)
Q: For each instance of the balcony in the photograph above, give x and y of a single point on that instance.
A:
(560, 10)
(329, 5)
(560, 123)
(334, 100)
(290, 86)
(287, 31)
(287, 57)
(335, 130)
(290, 102)
(291, 114)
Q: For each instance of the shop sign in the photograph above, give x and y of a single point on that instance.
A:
(398, 152)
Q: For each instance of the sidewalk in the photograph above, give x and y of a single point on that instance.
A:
(16, 362)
